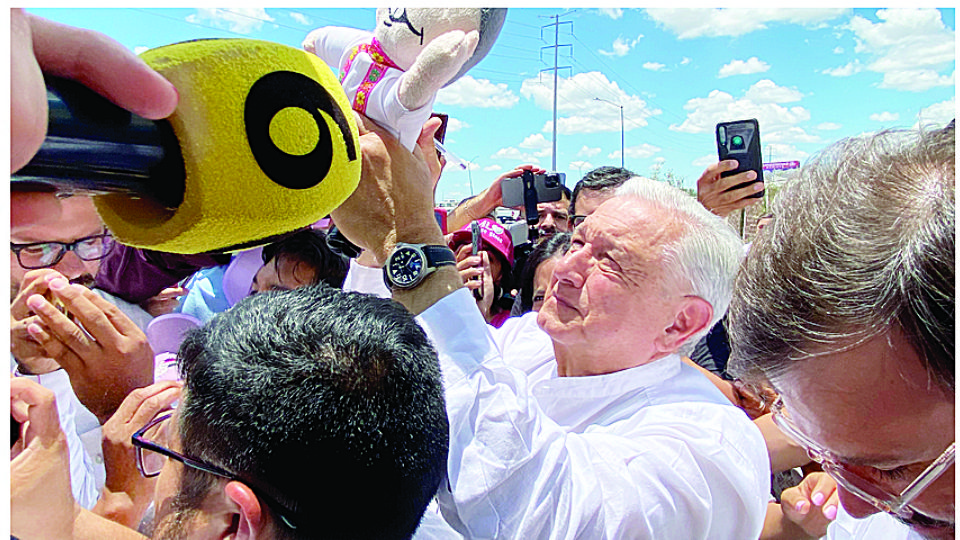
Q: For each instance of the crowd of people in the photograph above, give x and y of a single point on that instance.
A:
(633, 371)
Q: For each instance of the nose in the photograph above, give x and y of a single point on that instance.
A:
(571, 268)
(547, 224)
(70, 266)
(855, 506)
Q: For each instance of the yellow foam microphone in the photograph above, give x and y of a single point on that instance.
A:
(262, 143)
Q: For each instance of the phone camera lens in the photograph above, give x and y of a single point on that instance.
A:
(736, 142)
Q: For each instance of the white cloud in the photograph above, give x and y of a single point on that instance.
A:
(829, 126)
(514, 154)
(939, 114)
(885, 116)
(586, 151)
(481, 93)
(580, 165)
(621, 46)
(705, 161)
(653, 66)
(685, 61)
(763, 101)
(838, 50)
(536, 141)
(140, 50)
(767, 91)
(454, 124)
(689, 23)
(613, 13)
(640, 151)
(844, 71)
(301, 18)
(492, 168)
(739, 67)
(582, 113)
(239, 20)
(910, 47)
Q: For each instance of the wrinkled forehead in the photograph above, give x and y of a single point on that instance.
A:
(638, 229)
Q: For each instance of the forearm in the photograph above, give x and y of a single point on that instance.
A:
(784, 453)
(472, 209)
(438, 284)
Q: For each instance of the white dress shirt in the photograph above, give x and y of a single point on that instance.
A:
(655, 451)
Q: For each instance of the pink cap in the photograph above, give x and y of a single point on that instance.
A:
(493, 235)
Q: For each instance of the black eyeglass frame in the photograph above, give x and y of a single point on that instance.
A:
(142, 444)
(65, 247)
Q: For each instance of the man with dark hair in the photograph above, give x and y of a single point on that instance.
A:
(846, 307)
(593, 189)
(307, 413)
(305, 388)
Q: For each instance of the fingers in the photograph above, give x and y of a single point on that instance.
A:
(60, 327)
(143, 404)
(103, 65)
(30, 402)
(34, 282)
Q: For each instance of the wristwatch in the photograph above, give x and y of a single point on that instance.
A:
(409, 264)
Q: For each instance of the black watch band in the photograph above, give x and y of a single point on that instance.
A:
(439, 256)
(410, 264)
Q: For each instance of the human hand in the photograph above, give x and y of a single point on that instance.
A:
(105, 359)
(476, 273)
(32, 358)
(396, 189)
(711, 188)
(41, 502)
(812, 504)
(165, 302)
(429, 149)
(39, 46)
(126, 492)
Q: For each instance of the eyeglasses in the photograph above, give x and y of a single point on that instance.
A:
(576, 220)
(151, 457)
(46, 254)
(858, 483)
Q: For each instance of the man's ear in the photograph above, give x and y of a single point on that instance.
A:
(693, 315)
(249, 520)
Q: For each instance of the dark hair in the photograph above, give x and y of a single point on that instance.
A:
(331, 399)
(600, 179)
(550, 246)
(567, 194)
(309, 247)
(863, 242)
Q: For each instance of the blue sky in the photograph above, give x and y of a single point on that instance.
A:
(811, 76)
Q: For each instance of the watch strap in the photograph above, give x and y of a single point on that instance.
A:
(438, 256)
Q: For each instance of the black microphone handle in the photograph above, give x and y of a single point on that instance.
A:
(95, 147)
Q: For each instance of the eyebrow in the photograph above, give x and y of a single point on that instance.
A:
(27, 238)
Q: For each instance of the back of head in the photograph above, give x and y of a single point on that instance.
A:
(600, 179)
(707, 253)
(331, 400)
(863, 242)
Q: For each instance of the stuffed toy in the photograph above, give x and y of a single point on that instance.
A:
(393, 73)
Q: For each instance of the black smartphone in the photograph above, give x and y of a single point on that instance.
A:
(548, 188)
(740, 140)
(475, 250)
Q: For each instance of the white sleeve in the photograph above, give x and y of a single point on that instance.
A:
(513, 472)
(83, 478)
(366, 280)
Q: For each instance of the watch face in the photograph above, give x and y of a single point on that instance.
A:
(405, 267)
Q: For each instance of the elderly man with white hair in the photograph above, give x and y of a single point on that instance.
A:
(582, 421)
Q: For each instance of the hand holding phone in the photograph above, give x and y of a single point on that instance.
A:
(475, 239)
(740, 140)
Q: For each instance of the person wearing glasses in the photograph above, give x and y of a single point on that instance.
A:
(847, 310)
(306, 413)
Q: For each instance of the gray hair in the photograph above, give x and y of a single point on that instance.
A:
(707, 254)
(863, 242)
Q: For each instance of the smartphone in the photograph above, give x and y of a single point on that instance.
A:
(740, 140)
(548, 187)
(475, 239)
